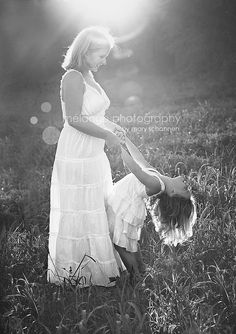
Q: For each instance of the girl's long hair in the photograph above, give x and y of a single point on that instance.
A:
(173, 218)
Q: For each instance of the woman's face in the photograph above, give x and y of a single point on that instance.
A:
(96, 58)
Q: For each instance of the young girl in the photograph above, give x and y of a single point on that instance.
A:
(173, 213)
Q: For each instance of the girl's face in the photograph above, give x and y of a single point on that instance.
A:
(180, 187)
(96, 58)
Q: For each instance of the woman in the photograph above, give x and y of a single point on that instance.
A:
(80, 248)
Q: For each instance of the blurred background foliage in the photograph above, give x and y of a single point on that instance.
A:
(185, 38)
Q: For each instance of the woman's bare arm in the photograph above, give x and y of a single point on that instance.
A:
(73, 91)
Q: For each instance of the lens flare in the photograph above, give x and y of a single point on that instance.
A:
(33, 120)
(124, 15)
(51, 135)
(46, 107)
(130, 88)
(133, 101)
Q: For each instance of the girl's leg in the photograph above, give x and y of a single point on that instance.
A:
(129, 260)
(139, 259)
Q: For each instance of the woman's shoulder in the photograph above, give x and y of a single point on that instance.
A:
(72, 79)
(72, 76)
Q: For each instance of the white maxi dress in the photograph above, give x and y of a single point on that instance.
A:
(80, 247)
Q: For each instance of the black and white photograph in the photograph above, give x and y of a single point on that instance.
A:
(117, 167)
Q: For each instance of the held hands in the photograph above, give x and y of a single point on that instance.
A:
(120, 133)
(115, 139)
(177, 186)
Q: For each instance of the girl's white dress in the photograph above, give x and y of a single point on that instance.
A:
(79, 241)
(126, 210)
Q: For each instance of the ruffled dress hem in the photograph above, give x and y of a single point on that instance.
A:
(126, 221)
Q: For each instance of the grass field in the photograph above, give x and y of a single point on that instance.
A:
(188, 289)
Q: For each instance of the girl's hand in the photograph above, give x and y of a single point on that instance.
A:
(119, 128)
(177, 186)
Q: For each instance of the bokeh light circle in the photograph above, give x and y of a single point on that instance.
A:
(51, 135)
(33, 120)
(130, 88)
(46, 107)
(133, 101)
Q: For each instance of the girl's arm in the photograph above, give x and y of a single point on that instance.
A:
(151, 182)
(174, 186)
(139, 158)
(136, 154)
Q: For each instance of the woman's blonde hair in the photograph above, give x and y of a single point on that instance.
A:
(90, 38)
(173, 218)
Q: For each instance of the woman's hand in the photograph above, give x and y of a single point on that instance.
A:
(176, 186)
(120, 133)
